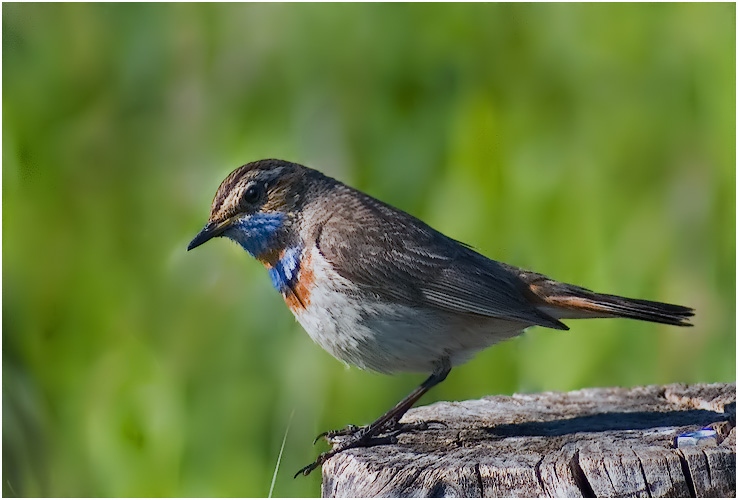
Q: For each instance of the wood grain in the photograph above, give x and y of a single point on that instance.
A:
(609, 442)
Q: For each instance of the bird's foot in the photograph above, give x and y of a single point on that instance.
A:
(349, 430)
(351, 436)
(392, 427)
(354, 436)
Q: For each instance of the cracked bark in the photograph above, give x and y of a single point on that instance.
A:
(645, 479)
(588, 443)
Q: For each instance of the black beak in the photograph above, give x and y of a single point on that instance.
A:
(211, 230)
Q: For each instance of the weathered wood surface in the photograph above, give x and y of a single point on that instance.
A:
(589, 443)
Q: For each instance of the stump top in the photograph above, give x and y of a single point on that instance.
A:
(592, 442)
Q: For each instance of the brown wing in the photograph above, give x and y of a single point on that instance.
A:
(397, 257)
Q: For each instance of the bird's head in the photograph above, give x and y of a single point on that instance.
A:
(257, 206)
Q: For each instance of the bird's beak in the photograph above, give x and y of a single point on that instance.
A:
(211, 230)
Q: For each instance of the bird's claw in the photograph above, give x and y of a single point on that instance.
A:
(357, 436)
(354, 441)
(305, 471)
(349, 430)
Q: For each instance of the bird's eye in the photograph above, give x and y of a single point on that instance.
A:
(252, 194)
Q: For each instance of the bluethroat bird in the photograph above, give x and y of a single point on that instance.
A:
(381, 290)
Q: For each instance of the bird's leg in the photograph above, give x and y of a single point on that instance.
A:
(361, 436)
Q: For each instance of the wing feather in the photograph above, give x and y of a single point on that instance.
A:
(395, 256)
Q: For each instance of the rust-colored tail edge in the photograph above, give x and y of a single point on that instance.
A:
(603, 305)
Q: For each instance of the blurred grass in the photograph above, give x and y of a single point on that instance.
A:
(592, 142)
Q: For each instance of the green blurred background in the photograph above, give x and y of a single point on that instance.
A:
(594, 143)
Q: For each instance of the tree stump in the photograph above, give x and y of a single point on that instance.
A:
(610, 442)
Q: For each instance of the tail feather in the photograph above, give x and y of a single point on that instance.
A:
(599, 305)
(562, 301)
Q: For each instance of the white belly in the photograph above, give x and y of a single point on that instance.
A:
(387, 338)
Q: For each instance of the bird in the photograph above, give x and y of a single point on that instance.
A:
(381, 290)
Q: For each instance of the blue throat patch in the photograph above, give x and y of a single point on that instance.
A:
(256, 233)
(284, 272)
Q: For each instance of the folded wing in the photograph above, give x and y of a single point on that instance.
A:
(397, 257)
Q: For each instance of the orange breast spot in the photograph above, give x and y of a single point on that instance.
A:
(297, 296)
